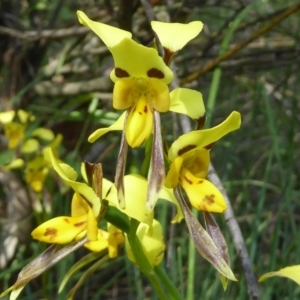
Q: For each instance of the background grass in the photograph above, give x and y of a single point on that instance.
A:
(259, 164)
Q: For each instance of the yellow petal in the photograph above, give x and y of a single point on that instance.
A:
(292, 272)
(15, 164)
(14, 132)
(43, 133)
(122, 94)
(111, 36)
(188, 102)
(100, 244)
(7, 116)
(79, 206)
(134, 60)
(175, 36)
(67, 174)
(203, 195)
(135, 198)
(118, 125)
(203, 138)
(25, 117)
(152, 243)
(31, 145)
(92, 226)
(139, 123)
(35, 173)
(160, 96)
(172, 178)
(197, 162)
(115, 239)
(60, 230)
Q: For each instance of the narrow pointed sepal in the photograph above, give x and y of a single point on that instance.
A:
(120, 170)
(215, 233)
(202, 240)
(156, 174)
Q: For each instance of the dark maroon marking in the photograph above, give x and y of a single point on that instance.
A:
(188, 180)
(209, 199)
(201, 122)
(168, 55)
(155, 73)
(186, 149)
(50, 231)
(145, 109)
(120, 73)
(90, 204)
(200, 181)
(79, 224)
(66, 220)
(208, 147)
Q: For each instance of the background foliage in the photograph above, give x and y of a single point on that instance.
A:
(59, 70)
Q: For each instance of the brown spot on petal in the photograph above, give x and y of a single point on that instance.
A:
(186, 149)
(79, 224)
(188, 180)
(200, 181)
(155, 73)
(50, 231)
(208, 147)
(201, 122)
(120, 73)
(66, 220)
(145, 109)
(209, 199)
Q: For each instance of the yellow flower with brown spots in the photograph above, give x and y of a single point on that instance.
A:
(190, 159)
(85, 208)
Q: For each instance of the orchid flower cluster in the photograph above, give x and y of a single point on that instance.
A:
(24, 147)
(141, 77)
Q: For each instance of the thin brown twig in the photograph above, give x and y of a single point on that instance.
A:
(213, 63)
(34, 35)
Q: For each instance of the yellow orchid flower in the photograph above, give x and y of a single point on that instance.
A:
(141, 79)
(152, 242)
(62, 230)
(14, 132)
(85, 210)
(36, 172)
(189, 164)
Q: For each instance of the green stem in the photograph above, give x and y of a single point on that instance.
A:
(165, 279)
(142, 261)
